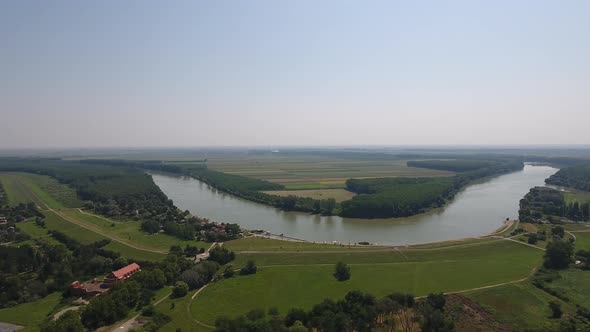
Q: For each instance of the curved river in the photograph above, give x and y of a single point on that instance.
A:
(479, 209)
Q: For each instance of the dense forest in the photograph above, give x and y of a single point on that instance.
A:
(395, 197)
(463, 165)
(577, 177)
(112, 191)
(542, 203)
(401, 197)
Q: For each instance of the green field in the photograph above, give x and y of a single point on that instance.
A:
(287, 280)
(338, 194)
(579, 196)
(582, 240)
(311, 171)
(30, 314)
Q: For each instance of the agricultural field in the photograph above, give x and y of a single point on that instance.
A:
(338, 194)
(310, 171)
(288, 280)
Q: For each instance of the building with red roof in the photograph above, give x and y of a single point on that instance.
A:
(121, 274)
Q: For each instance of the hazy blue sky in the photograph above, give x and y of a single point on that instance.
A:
(192, 73)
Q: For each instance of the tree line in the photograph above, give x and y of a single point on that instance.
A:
(547, 203)
(577, 177)
(357, 311)
(401, 197)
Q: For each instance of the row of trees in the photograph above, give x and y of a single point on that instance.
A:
(401, 197)
(358, 311)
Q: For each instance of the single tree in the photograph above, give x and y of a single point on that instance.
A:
(250, 268)
(558, 255)
(342, 271)
(180, 289)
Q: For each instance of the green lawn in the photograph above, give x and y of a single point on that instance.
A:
(32, 313)
(302, 280)
(582, 240)
(178, 310)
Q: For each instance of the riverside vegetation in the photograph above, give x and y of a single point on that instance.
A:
(290, 286)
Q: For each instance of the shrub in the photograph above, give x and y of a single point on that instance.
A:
(342, 272)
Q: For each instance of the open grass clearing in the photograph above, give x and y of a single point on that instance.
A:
(179, 310)
(582, 240)
(302, 280)
(16, 191)
(338, 194)
(500, 249)
(521, 305)
(31, 314)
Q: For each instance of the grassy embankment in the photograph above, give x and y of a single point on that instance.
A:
(30, 314)
(300, 274)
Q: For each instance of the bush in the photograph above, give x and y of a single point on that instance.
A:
(555, 309)
(342, 272)
(250, 268)
(221, 255)
(229, 272)
(180, 289)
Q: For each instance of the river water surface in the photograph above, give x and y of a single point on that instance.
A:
(477, 210)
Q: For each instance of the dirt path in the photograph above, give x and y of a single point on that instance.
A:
(132, 322)
(63, 311)
(188, 309)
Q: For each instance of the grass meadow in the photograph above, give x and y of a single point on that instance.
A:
(287, 280)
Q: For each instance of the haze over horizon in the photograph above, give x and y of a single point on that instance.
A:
(270, 73)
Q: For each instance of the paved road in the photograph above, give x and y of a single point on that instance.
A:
(6, 327)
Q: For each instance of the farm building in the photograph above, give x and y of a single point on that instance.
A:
(96, 287)
(121, 274)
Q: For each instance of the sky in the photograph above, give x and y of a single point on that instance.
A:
(231, 73)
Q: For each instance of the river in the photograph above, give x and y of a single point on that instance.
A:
(479, 209)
